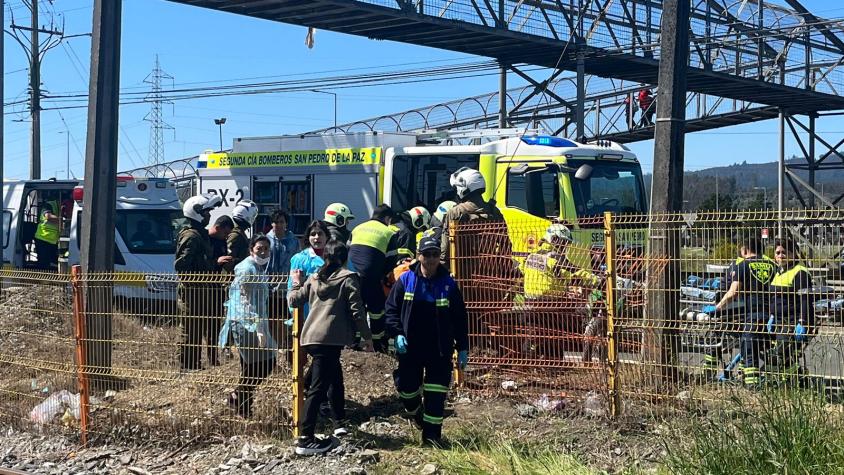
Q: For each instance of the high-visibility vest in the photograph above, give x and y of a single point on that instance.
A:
(47, 231)
(786, 278)
(373, 233)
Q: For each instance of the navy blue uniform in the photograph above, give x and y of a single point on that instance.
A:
(431, 314)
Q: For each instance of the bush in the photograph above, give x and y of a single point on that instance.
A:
(483, 453)
(781, 432)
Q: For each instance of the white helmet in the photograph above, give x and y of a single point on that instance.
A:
(420, 217)
(466, 180)
(245, 210)
(338, 214)
(558, 231)
(198, 205)
(443, 209)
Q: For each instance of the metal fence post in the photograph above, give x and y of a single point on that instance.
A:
(80, 335)
(298, 372)
(452, 264)
(612, 340)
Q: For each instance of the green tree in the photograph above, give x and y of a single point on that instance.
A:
(725, 203)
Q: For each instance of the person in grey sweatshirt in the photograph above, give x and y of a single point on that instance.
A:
(336, 313)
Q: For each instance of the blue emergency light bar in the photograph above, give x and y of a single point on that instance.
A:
(548, 141)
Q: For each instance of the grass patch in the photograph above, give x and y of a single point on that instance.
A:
(781, 431)
(487, 453)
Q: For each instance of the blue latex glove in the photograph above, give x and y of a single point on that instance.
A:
(401, 344)
(289, 322)
(463, 359)
(800, 332)
(771, 324)
(710, 309)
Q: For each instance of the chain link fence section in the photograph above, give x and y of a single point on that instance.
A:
(137, 359)
(536, 309)
(37, 349)
(683, 349)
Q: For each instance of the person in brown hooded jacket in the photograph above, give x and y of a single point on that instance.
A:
(336, 313)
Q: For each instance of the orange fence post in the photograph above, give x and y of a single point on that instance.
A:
(298, 372)
(81, 335)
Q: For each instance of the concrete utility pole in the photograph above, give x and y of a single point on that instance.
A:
(2, 94)
(98, 214)
(35, 50)
(661, 341)
(35, 91)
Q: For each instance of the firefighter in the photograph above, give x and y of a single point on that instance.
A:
(470, 187)
(426, 315)
(47, 232)
(413, 221)
(219, 233)
(549, 272)
(753, 283)
(792, 311)
(194, 256)
(731, 312)
(237, 244)
(435, 230)
(337, 217)
(369, 254)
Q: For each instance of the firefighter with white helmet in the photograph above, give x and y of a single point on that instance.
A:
(436, 229)
(237, 244)
(194, 256)
(337, 217)
(409, 225)
(549, 272)
(470, 186)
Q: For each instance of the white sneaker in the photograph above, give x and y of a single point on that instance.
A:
(340, 431)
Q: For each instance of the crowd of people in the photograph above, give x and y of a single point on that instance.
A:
(382, 286)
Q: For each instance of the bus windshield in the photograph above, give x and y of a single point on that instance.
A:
(612, 186)
(149, 231)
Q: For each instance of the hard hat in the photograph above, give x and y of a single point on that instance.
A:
(245, 210)
(420, 217)
(558, 231)
(466, 180)
(338, 214)
(443, 209)
(196, 206)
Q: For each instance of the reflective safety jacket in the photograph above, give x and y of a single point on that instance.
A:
(790, 301)
(430, 313)
(549, 274)
(369, 248)
(47, 231)
(404, 240)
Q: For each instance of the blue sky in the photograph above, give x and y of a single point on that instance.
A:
(196, 45)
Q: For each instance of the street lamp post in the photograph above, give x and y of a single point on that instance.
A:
(66, 133)
(335, 104)
(764, 195)
(219, 122)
